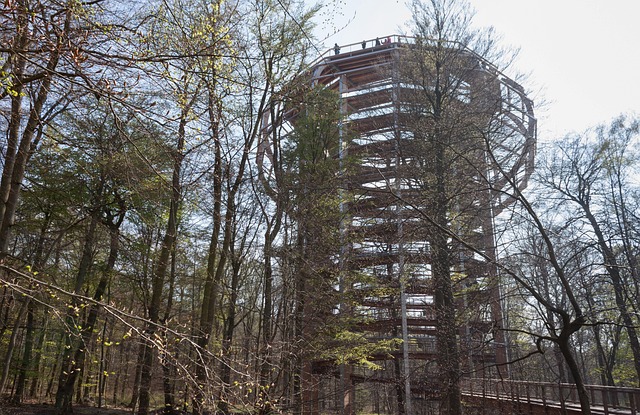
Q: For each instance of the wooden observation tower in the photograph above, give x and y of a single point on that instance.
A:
(388, 233)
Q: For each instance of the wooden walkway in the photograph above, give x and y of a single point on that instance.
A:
(549, 398)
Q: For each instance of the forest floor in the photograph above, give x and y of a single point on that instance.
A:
(40, 409)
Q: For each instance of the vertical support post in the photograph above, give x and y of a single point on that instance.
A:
(346, 383)
(348, 392)
(500, 340)
(406, 370)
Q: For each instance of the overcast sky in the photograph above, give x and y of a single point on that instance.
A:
(582, 56)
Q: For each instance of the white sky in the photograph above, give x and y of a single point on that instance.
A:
(582, 56)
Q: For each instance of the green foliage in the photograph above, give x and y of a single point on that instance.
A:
(313, 173)
(624, 373)
(312, 151)
(348, 347)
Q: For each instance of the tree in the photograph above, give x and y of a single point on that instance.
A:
(452, 100)
(282, 46)
(53, 51)
(589, 174)
(100, 143)
(185, 41)
(312, 182)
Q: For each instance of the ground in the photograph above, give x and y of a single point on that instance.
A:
(39, 409)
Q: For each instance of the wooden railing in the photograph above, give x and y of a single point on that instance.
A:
(603, 399)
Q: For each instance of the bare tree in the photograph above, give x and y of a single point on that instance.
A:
(588, 175)
(452, 100)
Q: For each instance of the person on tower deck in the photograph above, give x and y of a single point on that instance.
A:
(336, 49)
(377, 41)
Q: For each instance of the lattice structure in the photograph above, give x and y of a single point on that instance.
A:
(388, 235)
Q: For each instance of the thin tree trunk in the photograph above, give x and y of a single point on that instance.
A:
(136, 378)
(35, 381)
(13, 136)
(119, 375)
(583, 395)
(399, 382)
(102, 379)
(63, 397)
(38, 262)
(605, 369)
(167, 382)
(613, 269)
(300, 294)
(273, 228)
(230, 324)
(12, 182)
(552, 327)
(12, 344)
(54, 371)
(168, 245)
(622, 216)
(218, 256)
(154, 318)
(212, 282)
(5, 307)
(71, 359)
(605, 361)
(26, 359)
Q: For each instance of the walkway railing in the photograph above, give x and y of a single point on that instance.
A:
(603, 399)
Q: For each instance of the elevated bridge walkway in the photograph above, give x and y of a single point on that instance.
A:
(522, 397)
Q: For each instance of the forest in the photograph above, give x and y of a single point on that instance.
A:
(173, 240)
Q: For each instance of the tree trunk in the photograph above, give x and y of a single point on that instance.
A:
(583, 395)
(212, 283)
(298, 333)
(273, 228)
(135, 395)
(154, 310)
(168, 385)
(5, 307)
(12, 344)
(35, 381)
(26, 358)
(103, 370)
(219, 254)
(230, 322)
(399, 383)
(54, 371)
(622, 215)
(38, 262)
(13, 172)
(69, 367)
(613, 269)
(225, 375)
(445, 309)
(552, 327)
(168, 245)
(19, 62)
